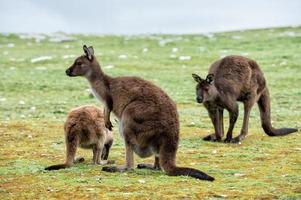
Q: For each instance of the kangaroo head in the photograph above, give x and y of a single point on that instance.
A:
(83, 65)
(205, 89)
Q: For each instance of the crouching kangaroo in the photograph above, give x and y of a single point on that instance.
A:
(85, 127)
(232, 79)
(147, 117)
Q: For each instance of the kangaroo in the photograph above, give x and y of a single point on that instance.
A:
(85, 127)
(147, 118)
(232, 79)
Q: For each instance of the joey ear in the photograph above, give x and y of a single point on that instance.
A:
(209, 78)
(89, 52)
(197, 78)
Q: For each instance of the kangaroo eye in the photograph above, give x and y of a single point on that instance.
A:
(206, 89)
(79, 63)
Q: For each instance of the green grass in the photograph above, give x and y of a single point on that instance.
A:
(36, 97)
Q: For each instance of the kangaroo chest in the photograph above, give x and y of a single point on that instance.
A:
(97, 96)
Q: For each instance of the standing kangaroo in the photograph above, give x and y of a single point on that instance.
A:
(232, 79)
(85, 127)
(148, 118)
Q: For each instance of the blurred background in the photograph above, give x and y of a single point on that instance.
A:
(142, 16)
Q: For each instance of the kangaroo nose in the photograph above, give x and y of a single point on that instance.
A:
(68, 72)
(199, 99)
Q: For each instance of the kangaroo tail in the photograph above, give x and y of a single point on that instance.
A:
(56, 167)
(167, 158)
(265, 115)
(71, 140)
(185, 171)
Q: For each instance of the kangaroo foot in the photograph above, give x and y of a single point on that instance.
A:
(101, 162)
(236, 140)
(79, 160)
(110, 162)
(113, 169)
(105, 162)
(212, 138)
(228, 140)
(148, 166)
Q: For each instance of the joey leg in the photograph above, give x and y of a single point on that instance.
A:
(105, 153)
(71, 147)
(106, 150)
(96, 154)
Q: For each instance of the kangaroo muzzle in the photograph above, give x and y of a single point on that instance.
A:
(199, 99)
(69, 72)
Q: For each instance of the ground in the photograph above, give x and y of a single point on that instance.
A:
(36, 95)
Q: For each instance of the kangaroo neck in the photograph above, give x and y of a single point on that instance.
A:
(100, 84)
(96, 74)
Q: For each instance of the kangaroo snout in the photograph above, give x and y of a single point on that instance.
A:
(199, 99)
(68, 72)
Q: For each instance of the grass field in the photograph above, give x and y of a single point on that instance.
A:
(36, 95)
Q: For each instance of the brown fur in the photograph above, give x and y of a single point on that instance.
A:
(232, 79)
(85, 127)
(148, 118)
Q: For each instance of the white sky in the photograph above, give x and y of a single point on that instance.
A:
(145, 16)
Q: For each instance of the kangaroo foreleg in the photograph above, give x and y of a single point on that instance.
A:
(107, 113)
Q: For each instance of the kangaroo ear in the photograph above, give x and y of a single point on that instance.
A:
(89, 52)
(209, 78)
(197, 78)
